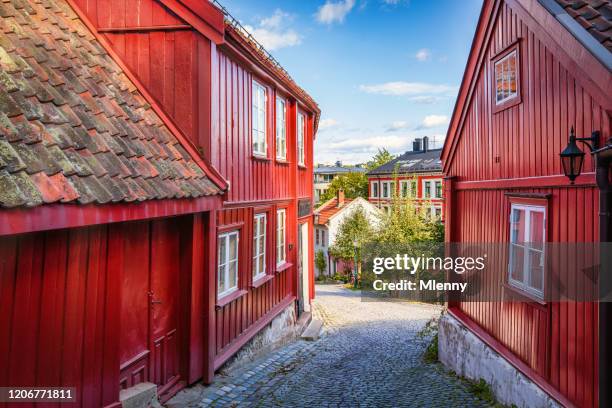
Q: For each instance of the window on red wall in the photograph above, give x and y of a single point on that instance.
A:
(506, 78)
(259, 246)
(258, 119)
(301, 128)
(527, 252)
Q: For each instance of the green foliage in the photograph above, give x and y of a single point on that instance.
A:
(344, 278)
(381, 157)
(354, 185)
(431, 352)
(355, 227)
(320, 261)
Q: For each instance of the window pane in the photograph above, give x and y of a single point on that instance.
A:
(221, 252)
(536, 270)
(233, 274)
(499, 92)
(517, 226)
(261, 264)
(536, 228)
(516, 262)
(221, 279)
(233, 246)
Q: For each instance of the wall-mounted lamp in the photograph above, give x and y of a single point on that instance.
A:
(572, 158)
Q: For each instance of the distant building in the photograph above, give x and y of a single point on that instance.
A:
(323, 176)
(328, 219)
(418, 174)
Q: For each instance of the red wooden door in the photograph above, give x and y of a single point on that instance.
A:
(149, 321)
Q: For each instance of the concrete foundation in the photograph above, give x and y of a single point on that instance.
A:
(142, 395)
(463, 352)
(280, 331)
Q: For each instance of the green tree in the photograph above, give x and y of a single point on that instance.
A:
(320, 261)
(381, 157)
(354, 229)
(354, 185)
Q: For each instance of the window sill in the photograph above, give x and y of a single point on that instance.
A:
(227, 299)
(282, 161)
(513, 293)
(302, 166)
(283, 267)
(260, 157)
(261, 280)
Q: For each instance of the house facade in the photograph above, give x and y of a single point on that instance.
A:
(324, 175)
(328, 218)
(536, 70)
(416, 175)
(156, 169)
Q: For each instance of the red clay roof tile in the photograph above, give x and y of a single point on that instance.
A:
(73, 127)
(594, 15)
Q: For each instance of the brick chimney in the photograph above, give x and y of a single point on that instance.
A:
(340, 196)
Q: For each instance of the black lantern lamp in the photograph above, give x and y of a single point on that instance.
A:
(572, 157)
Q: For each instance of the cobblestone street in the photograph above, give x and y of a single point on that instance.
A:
(369, 355)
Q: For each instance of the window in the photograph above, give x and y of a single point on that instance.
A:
(426, 189)
(259, 246)
(280, 237)
(317, 236)
(375, 189)
(436, 213)
(323, 243)
(300, 139)
(259, 119)
(406, 188)
(281, 129)
(227, 263)
(387, 189)
(527, 236)
(438, 184)
(506, 78)
(413, 189)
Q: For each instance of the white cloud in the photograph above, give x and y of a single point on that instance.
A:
(328, 124)
(334, 12)
(423, 55)
(397, 125)
(407, 88)
(432, 121)
(271, 33)
(425, 99)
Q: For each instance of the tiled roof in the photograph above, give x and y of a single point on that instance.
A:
(594, 15)
(329, 209)
(412, 162)
(73, 127)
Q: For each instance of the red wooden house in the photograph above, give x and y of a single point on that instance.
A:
(536, 69)
(416, 174)
(155, 185)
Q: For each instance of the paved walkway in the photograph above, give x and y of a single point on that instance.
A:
(368, 356)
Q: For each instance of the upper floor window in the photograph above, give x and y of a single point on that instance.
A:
(281, 129)
(438, 188)
(413, 188)
(527, 237)
(506, 78)
(259, 246)
(227, 263)
(301, 122)
(259, 119)
(375, 189)
(427, 189)
(281, 218)
(387, 189)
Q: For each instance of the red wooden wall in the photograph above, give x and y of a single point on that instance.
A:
(496, 153)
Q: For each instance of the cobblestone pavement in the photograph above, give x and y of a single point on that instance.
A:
(369, 355)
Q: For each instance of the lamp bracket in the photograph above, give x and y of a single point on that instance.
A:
(591, 142)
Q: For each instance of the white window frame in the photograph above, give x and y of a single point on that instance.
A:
(431, 186)
(527, 248)
(281, 128)
(281, 236)
(390, 185)
(435, 189)
(224, 263)
(433, 214)
(375, 189)
(301, 128)
(409, 192)
(511, 95)
(259, 235)
(259, 136)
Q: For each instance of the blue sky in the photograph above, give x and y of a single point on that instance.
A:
(382, 71)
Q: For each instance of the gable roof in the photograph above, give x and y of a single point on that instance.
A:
(592, 72)
(329, 209)
(411, 162)
(73, 127)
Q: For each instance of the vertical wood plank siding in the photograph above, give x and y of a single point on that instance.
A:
(557, 340)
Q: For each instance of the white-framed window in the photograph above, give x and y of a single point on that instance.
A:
(527, 237)
(435, 212)
(258, 119)
(301, 127)
(407, 188)
(506, 77)
(438, 188)
(259, 245)
(281, 128)
(427, 188)
(281, 228)
(375, 189)
(227, 263)
(387, 188)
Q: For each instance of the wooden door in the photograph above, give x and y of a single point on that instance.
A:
(149, 308)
